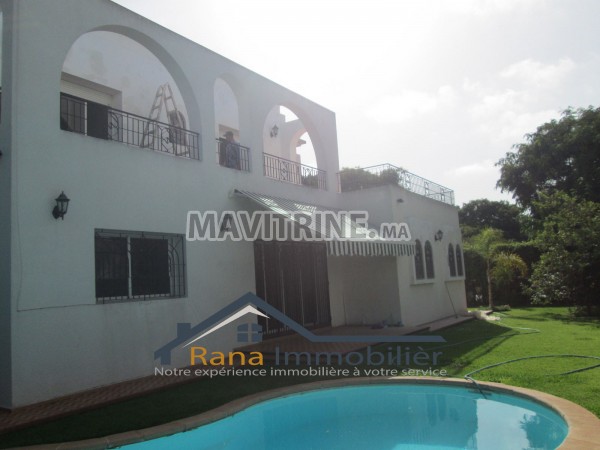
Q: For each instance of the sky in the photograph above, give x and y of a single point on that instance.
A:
(442, 88)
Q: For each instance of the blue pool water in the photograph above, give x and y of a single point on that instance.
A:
(379, 417)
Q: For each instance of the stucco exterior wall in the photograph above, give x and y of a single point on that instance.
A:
(420, 301)
(48, 266)
(6, 215)
(55, 337)
(363, 290)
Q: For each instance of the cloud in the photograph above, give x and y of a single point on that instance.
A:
(410, 103)
(475, 180)
(479, 168)
(496, 102)
(488, 7)
(517, 99)
(507, 116)
(538, 74)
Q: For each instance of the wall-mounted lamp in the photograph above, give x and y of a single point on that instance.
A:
(62, 205)
(439, 235)
(274, 131)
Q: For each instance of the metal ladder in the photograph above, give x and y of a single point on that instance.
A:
(177, 137)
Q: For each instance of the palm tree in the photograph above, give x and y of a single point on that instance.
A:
(506, 266)
(500, 267)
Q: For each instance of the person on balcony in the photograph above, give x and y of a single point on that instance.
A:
(229, 152)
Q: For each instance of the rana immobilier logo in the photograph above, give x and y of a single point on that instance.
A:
(189, 338)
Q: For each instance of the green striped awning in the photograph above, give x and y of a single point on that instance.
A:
(337, 245)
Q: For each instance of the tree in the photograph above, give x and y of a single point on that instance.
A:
(506, 267)
(499, 267)
(476, 215)
(515, 291)
(357, 178)
(561, 155)
(567, 272)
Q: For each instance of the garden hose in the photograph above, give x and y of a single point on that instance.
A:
(482, 338)
(469, 377)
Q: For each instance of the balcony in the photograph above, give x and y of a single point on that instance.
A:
(292, 172)
(93, 119)
(233, 155)
(383, 174)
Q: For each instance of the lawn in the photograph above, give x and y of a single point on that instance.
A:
(533, 332)
(470, 346)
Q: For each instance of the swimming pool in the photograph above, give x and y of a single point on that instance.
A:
(380, 417)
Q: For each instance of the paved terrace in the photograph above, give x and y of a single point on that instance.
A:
(87, 400)
(296, 343)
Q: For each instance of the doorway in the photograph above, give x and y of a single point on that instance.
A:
(292, 277)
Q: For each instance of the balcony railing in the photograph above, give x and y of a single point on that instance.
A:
(292, 172)
(233, 155)
(142, 132)
(93, 119)
(366, 177)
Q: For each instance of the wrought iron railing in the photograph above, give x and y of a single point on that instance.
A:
(366, 177)
(233, 155)
(292, 172)
(142, 132)
(93, 119)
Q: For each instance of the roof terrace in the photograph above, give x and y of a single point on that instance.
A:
(352, 179)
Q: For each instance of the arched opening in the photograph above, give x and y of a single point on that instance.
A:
(289, 154)
(286, 136)
(230, 153)
(114, 88)
(227, 117)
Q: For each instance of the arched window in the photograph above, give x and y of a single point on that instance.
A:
(429, 260)
(451, 260)
(459, 261)
(419, 272)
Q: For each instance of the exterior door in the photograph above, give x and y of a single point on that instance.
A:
(292, 277)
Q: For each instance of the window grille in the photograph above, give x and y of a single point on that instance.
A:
(451, 260)
(138, 265)
(419, 272)
(429, 260)
(459, 261)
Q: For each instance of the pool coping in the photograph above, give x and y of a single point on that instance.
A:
(583, 425)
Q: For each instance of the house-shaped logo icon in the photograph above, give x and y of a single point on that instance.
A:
(249, 303)
(248, 309)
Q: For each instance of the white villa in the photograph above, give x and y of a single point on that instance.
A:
(129, 121)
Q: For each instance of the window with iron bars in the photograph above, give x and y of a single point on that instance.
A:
(82, 116)
(429, 271)
(459, 262)
(419, 270)
(134, 265)
(451, 260)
